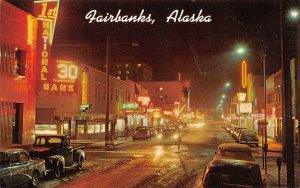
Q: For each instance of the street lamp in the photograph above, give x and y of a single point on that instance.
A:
(223, 96)
(227, 84)
(294, 13)
(262, 57)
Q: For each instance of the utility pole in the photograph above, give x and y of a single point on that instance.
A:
(107, 135)
(287, 117)
(298, 87)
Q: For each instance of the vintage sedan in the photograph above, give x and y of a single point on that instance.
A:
(234, 151)
(18, 169)
(248, 137)
(141, 133)
(232, 173)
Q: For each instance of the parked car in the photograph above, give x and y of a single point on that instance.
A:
(237, 131)
(58, 153)
(141, 133)
(232, 173)
(234, 151)
(18, 169)
(248, 137)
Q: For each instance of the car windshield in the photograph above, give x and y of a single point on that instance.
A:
(240, 155)
(141, 129)
(249, 137)
(227, 176)
(48, 141)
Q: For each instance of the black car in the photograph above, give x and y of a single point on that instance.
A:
(232, 173)
(18, 169)
(248, 137)
(58, 153)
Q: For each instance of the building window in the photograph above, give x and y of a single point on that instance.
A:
(119, 72)
(126, 65)
(127, 72)
(97, 128)
(161, 89)
(91, 129)
(20, 62)
(12, 60)
(80, 129)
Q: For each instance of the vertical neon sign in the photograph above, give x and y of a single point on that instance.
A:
(244, 74)
(53, 75)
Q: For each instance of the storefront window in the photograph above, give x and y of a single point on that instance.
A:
(91, 129)
(102, 127)
(66, 128)
(97, 128)
(45, 129)
(80, 129)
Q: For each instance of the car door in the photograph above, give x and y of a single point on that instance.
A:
(67, 151)
(17, 169)
(25, 161)
(5, 171)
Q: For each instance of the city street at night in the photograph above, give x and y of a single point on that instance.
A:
(155, 163)
(144, 163)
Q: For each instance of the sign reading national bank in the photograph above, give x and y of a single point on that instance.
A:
(53, 75)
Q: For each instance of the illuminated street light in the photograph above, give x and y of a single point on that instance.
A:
(294, 13)
(240, 50)
(262, 57)
(223, 96)
(227, 84)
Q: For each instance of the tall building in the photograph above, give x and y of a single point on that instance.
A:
(164, 94)
(138, 72)
(17, 75)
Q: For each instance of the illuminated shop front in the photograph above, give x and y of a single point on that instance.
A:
(17, 75)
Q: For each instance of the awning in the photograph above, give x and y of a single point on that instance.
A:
(44, 115)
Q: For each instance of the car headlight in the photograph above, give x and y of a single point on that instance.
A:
(175, 136)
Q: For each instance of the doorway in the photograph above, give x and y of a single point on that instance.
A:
(17, 122)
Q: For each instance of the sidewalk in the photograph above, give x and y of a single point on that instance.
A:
(273, 146)
(272, 173)
(272, 170)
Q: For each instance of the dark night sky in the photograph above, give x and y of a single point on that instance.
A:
(201, 51)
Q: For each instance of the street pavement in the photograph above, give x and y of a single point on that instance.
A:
(274, 152)
(196, 151)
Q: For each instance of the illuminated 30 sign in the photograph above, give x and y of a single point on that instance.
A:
(144, 100)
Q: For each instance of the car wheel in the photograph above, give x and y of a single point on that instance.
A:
(57, 171)
(34, 179)
(79, 166)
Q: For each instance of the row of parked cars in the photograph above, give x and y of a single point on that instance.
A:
(50, 154)
(232, 166)
(241, 134)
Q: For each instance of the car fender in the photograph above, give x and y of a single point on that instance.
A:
(56, 159)
(79, 153)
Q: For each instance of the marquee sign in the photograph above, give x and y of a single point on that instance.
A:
(145, 100)
(130, 106)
